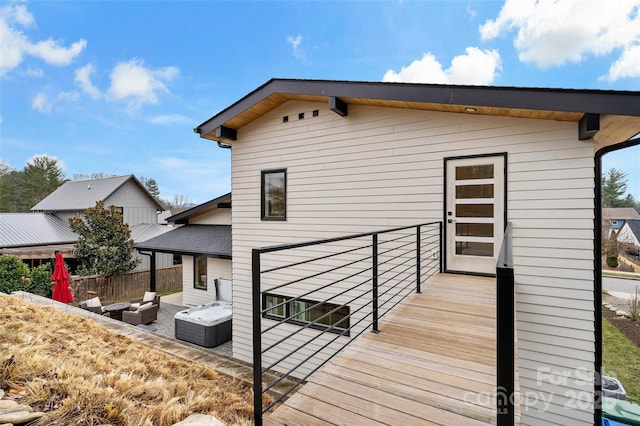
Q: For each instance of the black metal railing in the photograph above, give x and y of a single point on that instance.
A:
(312, 299)
(505, 378)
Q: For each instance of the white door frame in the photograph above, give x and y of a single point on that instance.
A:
(470, 264)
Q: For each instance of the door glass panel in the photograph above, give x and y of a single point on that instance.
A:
(481, 171)
(474, 210)
(474, 191)
(474, 229)
(471, 248)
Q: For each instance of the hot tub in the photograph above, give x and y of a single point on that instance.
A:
(206, 325)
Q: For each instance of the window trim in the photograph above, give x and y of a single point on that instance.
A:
(195, 273)
(263, 215)
(340, 329)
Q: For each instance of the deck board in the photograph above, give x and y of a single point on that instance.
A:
(432, 363)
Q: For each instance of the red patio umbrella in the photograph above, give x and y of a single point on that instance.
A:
(60, 277)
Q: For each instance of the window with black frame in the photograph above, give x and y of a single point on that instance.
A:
(274, 195)
(200, 273)
(319, 315)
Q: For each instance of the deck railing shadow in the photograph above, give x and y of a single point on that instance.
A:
(312, 299)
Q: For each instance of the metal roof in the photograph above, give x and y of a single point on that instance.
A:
(32, 229)
(207, 240)
(145, 231)
(82, 194)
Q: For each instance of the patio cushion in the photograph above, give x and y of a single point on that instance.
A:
(144, 307)
(149, 296)
(93, 303)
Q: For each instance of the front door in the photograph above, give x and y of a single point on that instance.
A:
(474, 215)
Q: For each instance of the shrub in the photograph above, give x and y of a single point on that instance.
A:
(13, 274)
(16, 276)
(41, 281)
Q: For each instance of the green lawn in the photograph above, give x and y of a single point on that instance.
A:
(621, 359)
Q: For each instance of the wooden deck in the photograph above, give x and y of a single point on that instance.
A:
(433, 363)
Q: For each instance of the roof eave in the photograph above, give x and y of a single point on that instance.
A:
(508, 98)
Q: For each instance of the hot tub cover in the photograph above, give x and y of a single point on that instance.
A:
(211, 314)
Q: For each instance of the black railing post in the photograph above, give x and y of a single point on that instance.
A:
(418, 255)
(505, 377)
(375, 283)
(257, 337)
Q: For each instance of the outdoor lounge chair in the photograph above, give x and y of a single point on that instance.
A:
(149, 296)
(95, 305)
(143, 315)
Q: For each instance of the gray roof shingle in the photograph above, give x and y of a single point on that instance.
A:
(208, 240)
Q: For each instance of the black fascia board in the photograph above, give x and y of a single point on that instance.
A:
(185, 252)
(546, 99)
(182, 217)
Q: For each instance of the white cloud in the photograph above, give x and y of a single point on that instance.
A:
(83, 78)
(554, 32)
(41, 103)
(471, 12)
(35, 72)
(475, 67)
(44, 104)
(170, 119)
(627, 66)
(54, 54)
(137, 84)
(296, 44)
(15, 45)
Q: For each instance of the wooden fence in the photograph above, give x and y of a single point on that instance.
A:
(127, 286)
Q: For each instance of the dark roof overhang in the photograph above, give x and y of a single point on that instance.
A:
(540, 103)
(222, 202)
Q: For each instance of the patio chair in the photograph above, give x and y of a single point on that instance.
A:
(149, 296)
(95, 305)
(142, 315)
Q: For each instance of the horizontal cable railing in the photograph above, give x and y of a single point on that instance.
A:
(312, 299)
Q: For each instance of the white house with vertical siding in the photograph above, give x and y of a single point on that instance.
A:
(352, 157)
(202, 237)
(136, 204)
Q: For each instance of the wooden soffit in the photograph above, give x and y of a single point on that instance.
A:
(615, 129)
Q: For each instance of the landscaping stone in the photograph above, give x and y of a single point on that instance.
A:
(20, 417)
(200, 420)
(8, 406)
(13, 413)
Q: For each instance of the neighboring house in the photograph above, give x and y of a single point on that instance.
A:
(36, 237)
(630, 233)
(71, 199)
(319, 159)
(615, 218)
(203, 239)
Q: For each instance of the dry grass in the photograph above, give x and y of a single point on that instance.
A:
(79, 373)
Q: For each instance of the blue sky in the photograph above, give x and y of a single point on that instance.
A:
(117, 87)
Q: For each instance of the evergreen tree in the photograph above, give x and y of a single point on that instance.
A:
(104, 245)
(614, 186)
(152, 186)
(41, 176)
